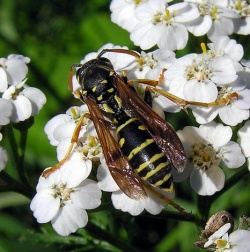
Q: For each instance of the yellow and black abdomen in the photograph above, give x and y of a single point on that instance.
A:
(143, 153)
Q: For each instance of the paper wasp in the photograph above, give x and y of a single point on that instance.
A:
(147, 148)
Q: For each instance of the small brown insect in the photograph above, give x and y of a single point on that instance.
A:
(215, 222)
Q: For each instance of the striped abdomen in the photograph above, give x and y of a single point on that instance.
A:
(143, 153)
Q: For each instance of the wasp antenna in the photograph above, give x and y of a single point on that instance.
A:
(70, 82)
(125, 51)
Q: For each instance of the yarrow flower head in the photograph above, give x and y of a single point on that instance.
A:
(63, 196)
(215, 19)
(22, 101)
(206, 79)
(207, 148)
(162, 25)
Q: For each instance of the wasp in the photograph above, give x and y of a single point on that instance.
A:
(147, 148)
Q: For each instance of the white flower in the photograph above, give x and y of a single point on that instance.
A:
(62, 126)
(214, 19)
(120, 200)
(237, 241)
(5, 111)
(123, 13)
(13, 70)
(224, 46)
(242, 9)
(88, 145)
(64, 195)
(194, 77)
(160, 24)
(207, 147)
(27, 101)
(244, 141)
(3, 157)
(231, 111)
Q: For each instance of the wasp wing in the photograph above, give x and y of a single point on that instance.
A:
(161, 131)
(128, 181)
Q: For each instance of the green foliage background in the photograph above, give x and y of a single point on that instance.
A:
(56, 34)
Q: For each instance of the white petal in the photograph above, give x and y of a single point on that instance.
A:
(69, 219)
(221, 27)
(36, 97)
(22, 109)
(3, 80)
(87, 195)
(243, 101)
(232, 115)
(6, 108)
(199, 26)
(242, 25)
(122, 202)
(75, 170)
(224, 71)
(45, 206)
(195, 90)
(144, 35)
(16, 71)
(105, 180)
(240, 240)
(173, 37)
(204, 115)
(207, 182)
(216, 134)
(244, 138)
(52, 124)
(64, 130)
(232, 155)
(3, 158)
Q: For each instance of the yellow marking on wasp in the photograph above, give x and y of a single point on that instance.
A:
(103, 82)
(157, 169)
(139, 148)
(160, 182)
(107, 109)
(94, 89)
(99, 98)
(111, 90)
(121, 142)
(153, 159)
(142, 127)
(126, 123)
(118, 100)
(111, 73)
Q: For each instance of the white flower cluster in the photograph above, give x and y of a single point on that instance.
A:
(214, 84)
(18, 101)
(156, 22)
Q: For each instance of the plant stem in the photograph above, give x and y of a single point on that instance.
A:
(15, 186)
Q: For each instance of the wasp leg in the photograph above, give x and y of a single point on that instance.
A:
(74, 140)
